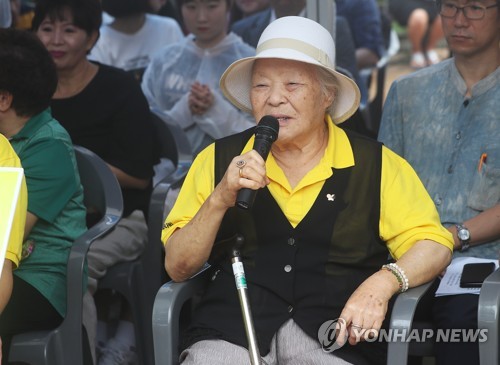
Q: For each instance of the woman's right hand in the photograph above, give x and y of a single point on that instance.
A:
(244, 171)
(189, 248)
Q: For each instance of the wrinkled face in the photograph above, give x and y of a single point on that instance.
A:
(291, 92)
(252, 6)
(67, 44)
(471, 37)
(207, 20)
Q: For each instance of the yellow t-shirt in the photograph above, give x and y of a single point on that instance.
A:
(8, 158)
(407, 213)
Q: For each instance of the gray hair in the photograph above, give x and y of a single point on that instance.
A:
(329, 86)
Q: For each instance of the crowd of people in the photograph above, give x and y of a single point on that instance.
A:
(343, 220)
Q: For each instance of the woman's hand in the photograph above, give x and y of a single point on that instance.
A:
(365, 310)
(189, 248)
(200, 98)
(245, 171)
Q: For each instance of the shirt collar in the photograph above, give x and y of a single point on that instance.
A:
(338, 155)
(33, 124)
(480, 87)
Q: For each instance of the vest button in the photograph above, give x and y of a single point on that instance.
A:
(290, 308)
(291, 241)
(287, 268)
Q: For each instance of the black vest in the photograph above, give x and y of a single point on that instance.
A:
(306, 273)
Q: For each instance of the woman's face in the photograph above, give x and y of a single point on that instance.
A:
(67, 44)
(291, 92)
(207, 20)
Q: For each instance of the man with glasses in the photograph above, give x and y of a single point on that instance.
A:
(449, 9)
(444, 120)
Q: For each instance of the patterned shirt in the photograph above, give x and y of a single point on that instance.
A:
(429, 121)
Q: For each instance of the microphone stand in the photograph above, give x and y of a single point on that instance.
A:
(241, 286)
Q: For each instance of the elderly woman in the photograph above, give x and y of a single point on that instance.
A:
(331, 207)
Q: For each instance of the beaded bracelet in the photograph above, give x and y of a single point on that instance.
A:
(399, 274)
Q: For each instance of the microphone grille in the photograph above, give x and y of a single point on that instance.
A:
(268, 125)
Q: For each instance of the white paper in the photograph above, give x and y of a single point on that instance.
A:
(450, 282)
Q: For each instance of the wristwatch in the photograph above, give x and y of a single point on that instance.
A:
(463, 235)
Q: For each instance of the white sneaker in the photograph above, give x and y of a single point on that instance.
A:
(432, 57)
(117, 353)
(418, 60)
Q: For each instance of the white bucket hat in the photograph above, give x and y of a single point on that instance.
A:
(298, 39)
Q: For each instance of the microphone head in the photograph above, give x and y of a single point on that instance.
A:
(268, 126)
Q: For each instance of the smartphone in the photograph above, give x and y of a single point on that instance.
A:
(473, 275)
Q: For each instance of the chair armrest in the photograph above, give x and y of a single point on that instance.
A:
(166, 312)
(76, 262)
(75, 270)
(401, 322)
(487, 318)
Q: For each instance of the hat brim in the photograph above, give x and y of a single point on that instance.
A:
(235, 84)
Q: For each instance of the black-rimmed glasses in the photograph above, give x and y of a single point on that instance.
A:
(472, 12)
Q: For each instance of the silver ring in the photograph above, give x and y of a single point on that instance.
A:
(356, 326)
(241, 163)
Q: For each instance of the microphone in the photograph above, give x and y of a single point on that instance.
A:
(266, 133)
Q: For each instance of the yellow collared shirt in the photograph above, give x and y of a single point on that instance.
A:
(9, 158)
(407, 213)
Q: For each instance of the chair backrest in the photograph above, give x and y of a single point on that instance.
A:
(169, 177)
(139, 280)
(175, 150)
(488, 317)
(184, 150)
(166, 139)
(102, 193)
(64, 345)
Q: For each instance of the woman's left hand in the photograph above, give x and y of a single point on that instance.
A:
(366, 308)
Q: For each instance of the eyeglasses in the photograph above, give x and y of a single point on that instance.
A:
(471, 12)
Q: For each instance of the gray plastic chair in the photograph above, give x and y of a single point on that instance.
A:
(172, 296)
(488, 318)
(63, 345)
(139, 280)
(166, 315)
(401, 321)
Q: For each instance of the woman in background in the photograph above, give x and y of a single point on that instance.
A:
(182, 80)
(104, 110)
